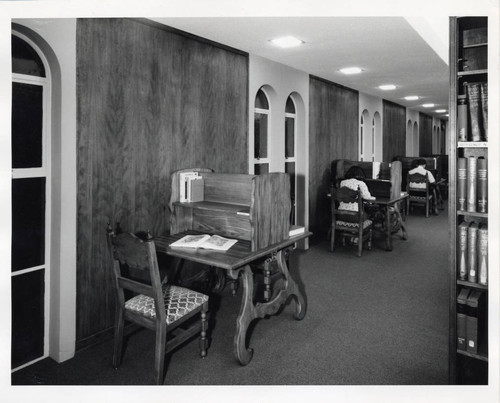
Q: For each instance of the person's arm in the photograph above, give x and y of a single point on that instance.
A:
(365, 193)
(431, 177)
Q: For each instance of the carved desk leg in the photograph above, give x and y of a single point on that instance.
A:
(249, 311)
(245, 317)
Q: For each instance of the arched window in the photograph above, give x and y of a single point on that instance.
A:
(30, 202)
(290, 154)
(373, 139)
(261, 133)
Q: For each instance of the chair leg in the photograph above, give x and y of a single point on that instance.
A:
(427, 208)
(203, 334)
(160, 343)
(370, 239)
(332, 240)
(118, 347)
(360, 242)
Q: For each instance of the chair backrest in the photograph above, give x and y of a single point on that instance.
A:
(135, 267)
(417, 182)
(347, 195)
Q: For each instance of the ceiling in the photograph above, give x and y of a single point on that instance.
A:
(390, 50)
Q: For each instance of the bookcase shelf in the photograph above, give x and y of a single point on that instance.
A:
(468, 95)
(471, 214)
(472, 285)
(472, 144)
(472, 72)
(482, 357)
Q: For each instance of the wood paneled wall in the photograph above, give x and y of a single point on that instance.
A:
(150, 101)
(394, 132)
(425, 138)
(333, 134)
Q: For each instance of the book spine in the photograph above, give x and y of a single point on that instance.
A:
(474, 100)
(472, 252)
(483, 255)
(471, 183)
(462, 250)
(482, 185)
(462, 120)
(462, 319)
(484, 109)
(472, 322)
(462, 184)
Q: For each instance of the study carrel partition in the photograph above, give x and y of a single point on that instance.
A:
(254, 208)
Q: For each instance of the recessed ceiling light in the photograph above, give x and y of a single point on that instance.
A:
(351, 70)
(440, 110)
(287, 42)
(412, 97)
(428, 105)
(387, 87)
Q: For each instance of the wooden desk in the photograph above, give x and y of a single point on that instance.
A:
(384, 203)
(237, 261)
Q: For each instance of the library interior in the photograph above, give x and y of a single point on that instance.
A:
(199, 204)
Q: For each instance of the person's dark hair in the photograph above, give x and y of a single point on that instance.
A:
(355, 172)
(421, 161)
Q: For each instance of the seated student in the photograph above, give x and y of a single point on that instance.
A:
(420, 169)
(353, 179)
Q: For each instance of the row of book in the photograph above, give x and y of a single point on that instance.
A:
(471, 321)
(191, 187)
(472, 113)
(472, 184)
(473, 252)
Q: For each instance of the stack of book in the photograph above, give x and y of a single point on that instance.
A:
(471, 321)
(191, 187)
(472, 113)
(472, 184)
(473, 252)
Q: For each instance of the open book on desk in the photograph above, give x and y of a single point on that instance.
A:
(215, 242)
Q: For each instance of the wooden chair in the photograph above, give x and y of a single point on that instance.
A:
(419, 191)
(359, 227)
(156, 305)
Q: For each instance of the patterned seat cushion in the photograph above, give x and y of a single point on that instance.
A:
(418, 185)
(418, 198)
(179, 301)
(347, 224)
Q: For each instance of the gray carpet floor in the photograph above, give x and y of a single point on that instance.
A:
(379, 319)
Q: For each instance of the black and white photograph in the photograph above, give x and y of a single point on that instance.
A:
(342, 158)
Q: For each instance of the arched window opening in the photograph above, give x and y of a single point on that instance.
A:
(31, 183)
(261, 133)
(290, 152)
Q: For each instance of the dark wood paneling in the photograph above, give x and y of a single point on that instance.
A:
(333, 134)
(425, 135)
(394, 133)
(150, 101)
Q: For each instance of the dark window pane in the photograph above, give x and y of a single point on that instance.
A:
(260, 131)
(27, 110)
(27, 317)
(261, 100)
(261, 169)
(290, 107)
(25, 59)
(28, 223)
(290, 170)
(289, 137)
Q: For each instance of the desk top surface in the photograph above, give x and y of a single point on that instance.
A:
(388, 200)
(237, 256)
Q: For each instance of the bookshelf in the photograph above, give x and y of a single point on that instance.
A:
(468, 341)
(254, 208)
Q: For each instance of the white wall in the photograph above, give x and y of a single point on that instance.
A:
(373, 105)
(57, 39)
(412, 148)
(283, 81)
